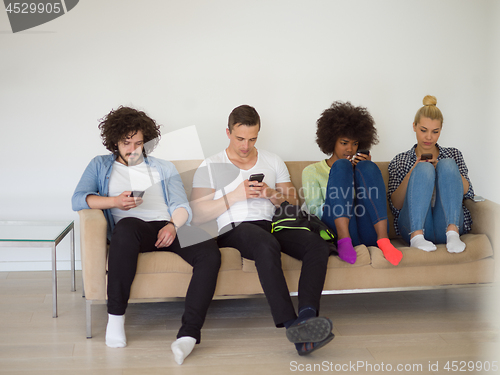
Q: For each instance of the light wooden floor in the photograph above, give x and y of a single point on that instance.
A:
(373, 331)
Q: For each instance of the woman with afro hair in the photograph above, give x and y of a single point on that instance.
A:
(347, 190)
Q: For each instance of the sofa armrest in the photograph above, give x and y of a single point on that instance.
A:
(93, 244)
(486, 220)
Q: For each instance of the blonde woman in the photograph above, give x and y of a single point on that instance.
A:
(427, 186)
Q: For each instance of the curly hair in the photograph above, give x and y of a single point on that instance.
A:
(345, 120)
(125, 122)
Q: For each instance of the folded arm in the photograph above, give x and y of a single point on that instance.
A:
(123, 201)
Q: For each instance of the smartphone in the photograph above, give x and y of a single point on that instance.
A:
(426, 157)
(364, 152)
(256, 177)
(137, 193)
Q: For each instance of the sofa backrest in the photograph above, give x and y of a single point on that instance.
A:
(187, 168)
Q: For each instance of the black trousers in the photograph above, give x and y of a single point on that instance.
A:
(132, 236)
(255, 241)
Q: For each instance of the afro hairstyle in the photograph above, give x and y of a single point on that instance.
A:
(345, 120)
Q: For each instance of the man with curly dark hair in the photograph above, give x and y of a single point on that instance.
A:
(125, 122)
(347, 190)
(146, 207)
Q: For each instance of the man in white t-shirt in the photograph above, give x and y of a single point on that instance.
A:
(155, 218)
(244, 209)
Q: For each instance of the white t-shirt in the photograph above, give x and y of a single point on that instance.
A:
(220, 174)
(138, 177)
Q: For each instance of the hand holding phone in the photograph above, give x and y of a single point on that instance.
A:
(426, 157)
(355, 159)
(125, 201)
(137, 193)
(258, 177)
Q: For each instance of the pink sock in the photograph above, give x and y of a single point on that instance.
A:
(392, 254)
(346, 251)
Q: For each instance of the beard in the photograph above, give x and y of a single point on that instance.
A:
(130, 159)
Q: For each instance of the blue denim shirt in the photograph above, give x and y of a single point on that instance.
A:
(95, 181)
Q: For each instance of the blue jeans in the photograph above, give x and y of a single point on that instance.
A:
(359, 194)
(417, 212)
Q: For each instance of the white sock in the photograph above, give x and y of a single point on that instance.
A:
(420, 242)
(115, 331)
(182, 347)
(453, 242)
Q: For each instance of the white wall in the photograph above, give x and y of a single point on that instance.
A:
(190, 62)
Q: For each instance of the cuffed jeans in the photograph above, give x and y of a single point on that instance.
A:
(132, 236)
(255, 241)
(417, 212)
(358, 194)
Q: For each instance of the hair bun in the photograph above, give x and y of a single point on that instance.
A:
(430, 100)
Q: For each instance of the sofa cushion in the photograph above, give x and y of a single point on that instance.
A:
(478, 247)
(288, 263)
(166, 261)
(230, 259)
(162, 261)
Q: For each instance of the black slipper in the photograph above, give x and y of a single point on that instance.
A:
(309, 347)
(309, 330)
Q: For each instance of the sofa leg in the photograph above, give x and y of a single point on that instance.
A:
(89, 318)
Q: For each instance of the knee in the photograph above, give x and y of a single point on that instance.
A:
(212, 255)
(367, 172)
(126, 238)
(323, 249)
(342, 166)
(207, 254)
(447, 166)
(424, 171)
(268, 251)
(208, 262)
(366, 166)
(319, 255)
(318, 249)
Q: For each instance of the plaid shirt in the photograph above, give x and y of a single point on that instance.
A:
(401, 165)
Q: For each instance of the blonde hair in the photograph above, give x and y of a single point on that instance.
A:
(429, 110)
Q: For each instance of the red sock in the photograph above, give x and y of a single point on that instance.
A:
(392, 254)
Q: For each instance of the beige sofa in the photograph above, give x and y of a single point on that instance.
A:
(163, 275)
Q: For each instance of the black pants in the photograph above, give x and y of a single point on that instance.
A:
(255, 241)
(132, 236)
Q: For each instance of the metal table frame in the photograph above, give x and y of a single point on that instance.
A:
(51, 244)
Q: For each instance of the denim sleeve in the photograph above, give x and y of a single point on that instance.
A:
(175, 191)
(88, 185)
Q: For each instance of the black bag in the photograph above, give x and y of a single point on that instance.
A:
(289, 216)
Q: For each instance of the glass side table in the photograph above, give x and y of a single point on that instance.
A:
(41, 234)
